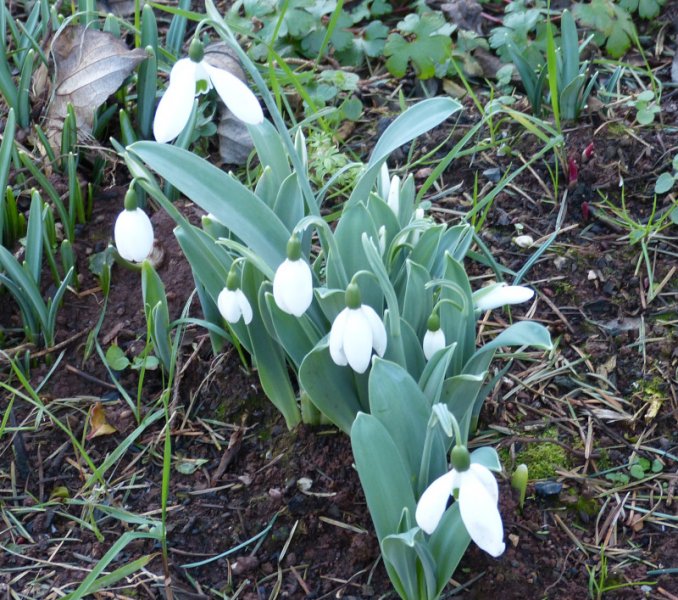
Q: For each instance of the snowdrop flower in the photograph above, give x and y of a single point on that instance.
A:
(499, 294)
(393, 198)
(477, 495)
(233, 303)
(355, 332)
(434, 338)
(191, 76)
(383, 185)
(293, 281)
(133, 232)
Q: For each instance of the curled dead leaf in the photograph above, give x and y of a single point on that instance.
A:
(90, 66)
(97, 422)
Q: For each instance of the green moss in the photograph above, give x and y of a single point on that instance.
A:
(543, 458)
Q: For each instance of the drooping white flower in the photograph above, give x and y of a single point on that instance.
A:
(433, 341)
(393, 198)
(293, 281)
(188, 75)
(500, 294)
(434, 338)
(133, 232)
(233, 304)
(356, 331)
(478, 497)
(383, 184)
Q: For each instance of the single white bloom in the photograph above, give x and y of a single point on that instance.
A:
(133, 235)
(393, 198)
(176, 104)
(384, 186)
(478, 498)
(501, 294)
(433, 341)
(382, 239)
(293, 286)
(233, 304)
(355, 332)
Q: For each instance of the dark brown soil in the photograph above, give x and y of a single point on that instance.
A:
(616, 354)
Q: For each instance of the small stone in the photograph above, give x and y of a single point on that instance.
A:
(591, 276)
(514, 539)
(493, 174)
(559, 262)
(548, 489)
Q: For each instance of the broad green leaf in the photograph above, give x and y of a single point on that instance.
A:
(418, 119)
(433, 377)
(402, 408)
(331, 388)
(384, 478)
(267, 188)
(488, 457)
(664, 183)
(268, 355)
(459, 394)
(523, 333)
(34, 235)
(416, 301)
(5, 154)
(354, 221)
(214, 191)
(297, 335)
(408, 556)
(271, 150)
(157, 312)
(448, 543)
(289, 203)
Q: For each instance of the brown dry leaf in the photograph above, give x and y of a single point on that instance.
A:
(90, 66)
(98, 423)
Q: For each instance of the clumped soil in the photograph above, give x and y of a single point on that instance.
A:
(606, 395)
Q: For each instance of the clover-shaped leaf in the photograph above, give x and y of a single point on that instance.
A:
(427, 44)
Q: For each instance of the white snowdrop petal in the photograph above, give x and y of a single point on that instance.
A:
(377, 328)
(501, 295)
(486, 478)
(176, 104)
(244, 306)
(433, 341)
(293, 287)
(239, 99)
(302, 282)
(433, 502)
(228, 306)
(394, 195)
(384, 184)
(358, 340)
(480, 514)
(133, 234)
(280, 287)
(337, 339)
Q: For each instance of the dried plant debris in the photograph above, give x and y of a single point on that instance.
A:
(90, 65)
(235, 143)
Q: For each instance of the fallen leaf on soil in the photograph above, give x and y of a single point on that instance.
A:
(98, 423)
(188, 466)
(59, 493)
(90, 66)
(655, 402)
